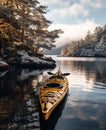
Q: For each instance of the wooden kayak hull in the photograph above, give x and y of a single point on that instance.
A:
(51, 96)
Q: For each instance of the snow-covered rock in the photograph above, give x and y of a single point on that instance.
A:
(31, 61)
(23, 59)
(3, 65)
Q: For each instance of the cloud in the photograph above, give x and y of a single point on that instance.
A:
(73, 10)
(48, 2)
(92, 3)
(73, 32)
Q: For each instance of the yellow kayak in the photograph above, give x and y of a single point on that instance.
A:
(52, 92)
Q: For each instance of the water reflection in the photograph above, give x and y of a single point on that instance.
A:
(85, 107)
(19, 100)
(90, 70)
(83, 114)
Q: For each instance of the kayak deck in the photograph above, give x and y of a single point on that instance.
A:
(51, 94)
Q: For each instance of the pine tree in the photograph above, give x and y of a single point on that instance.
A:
(32, 26)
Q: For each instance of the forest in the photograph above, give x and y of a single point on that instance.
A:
(24, 30)
(93, 45)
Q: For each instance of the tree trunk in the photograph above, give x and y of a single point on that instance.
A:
(22, 34)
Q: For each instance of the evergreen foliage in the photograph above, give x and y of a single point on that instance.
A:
(92, 45)
(23, 25)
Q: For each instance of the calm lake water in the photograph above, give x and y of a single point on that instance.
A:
(83, 108)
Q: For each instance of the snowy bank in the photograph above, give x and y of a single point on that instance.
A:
(24, 60)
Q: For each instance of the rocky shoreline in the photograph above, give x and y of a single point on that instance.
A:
(27, 62)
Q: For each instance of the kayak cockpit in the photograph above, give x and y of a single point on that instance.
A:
(53, 85)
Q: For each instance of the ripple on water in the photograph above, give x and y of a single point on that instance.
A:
(99, 85)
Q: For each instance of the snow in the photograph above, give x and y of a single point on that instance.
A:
(23, 58)
(31, 59)
(2, 63)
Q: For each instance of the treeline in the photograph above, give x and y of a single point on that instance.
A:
(23, 26)
(92, 45)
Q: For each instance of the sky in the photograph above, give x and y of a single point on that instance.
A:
(75, 17)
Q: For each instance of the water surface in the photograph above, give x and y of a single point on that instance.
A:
(83, 108)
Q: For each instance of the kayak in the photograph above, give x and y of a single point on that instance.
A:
(52, 92)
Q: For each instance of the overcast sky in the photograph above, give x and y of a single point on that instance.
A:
(75, 17)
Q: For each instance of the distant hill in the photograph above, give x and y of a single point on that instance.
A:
(93, 45)
(54, 51)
